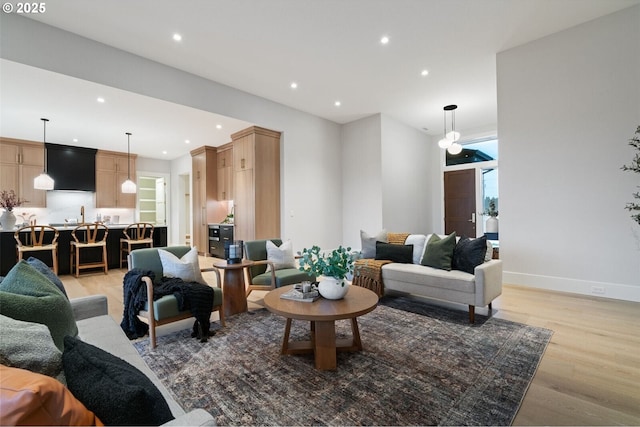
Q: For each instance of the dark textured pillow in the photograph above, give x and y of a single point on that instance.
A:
(49, 274)
(117, 392)
(396, 253)
(469, 254)
(439, 252)
(27, 295)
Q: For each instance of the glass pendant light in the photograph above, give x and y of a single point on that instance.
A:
(128, 186)
(44, 181)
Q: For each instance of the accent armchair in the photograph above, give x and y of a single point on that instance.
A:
(259, 278)
(165, 310)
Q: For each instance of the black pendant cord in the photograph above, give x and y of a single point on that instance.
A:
(129, 156)
(44, 142)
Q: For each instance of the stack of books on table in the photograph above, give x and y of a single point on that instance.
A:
(296, 295)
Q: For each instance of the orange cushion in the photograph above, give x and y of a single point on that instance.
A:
(27, 398)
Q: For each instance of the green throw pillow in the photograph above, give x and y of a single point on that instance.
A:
(439, 252)
(27, 295)
(28, 345)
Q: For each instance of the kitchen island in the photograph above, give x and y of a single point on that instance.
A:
(9, 253)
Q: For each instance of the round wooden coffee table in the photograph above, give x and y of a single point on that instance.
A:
(322, 314)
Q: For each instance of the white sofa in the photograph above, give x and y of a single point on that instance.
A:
(475, 290)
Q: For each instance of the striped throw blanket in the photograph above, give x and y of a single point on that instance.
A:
(369, 271)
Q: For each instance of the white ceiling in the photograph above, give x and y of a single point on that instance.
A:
(330, 48)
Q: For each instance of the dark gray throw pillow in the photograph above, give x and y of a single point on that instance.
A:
(117, 392)
(396, 253)
(439, 252)
(469, 254)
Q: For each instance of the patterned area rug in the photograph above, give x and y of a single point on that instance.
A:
(421, 365)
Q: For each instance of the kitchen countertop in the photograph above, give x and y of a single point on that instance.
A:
(221, 223)
(71, 227)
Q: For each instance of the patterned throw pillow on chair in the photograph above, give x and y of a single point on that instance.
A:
(281, 257)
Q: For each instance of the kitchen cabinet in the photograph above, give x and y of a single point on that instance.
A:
(20, 163)
(225, 172)
(256, 181)
(111, 172)
(203, 175)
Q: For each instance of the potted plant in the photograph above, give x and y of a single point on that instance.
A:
(634, 166)
(9, 200)
(334, 267)
(491, 226)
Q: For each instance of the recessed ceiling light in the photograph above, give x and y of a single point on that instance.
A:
(177, 37)
(294, 85)
(424, 73)
(218, 126)
(384, 39)
(100, 100)
(337, 103)
(164, 151)
(186, 141)
(75, 139)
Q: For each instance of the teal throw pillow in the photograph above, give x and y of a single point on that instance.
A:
(27, 295)
(439, 252)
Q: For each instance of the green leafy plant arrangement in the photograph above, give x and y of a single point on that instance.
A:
(339, 263)
(9, 200)
(491, 211)
(634, 207)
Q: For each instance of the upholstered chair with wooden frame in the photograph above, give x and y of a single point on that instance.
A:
(259, 279)
(37, 238)
(137, 235)
(89, 237)
(165, 310)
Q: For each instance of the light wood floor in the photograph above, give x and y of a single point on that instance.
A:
(590, 372)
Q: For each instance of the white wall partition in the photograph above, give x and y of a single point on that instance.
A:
(567, 105)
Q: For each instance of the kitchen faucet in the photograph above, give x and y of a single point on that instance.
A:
(82, 214)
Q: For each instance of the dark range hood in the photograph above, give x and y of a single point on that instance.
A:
(72, 168)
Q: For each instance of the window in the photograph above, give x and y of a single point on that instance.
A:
(480, 150)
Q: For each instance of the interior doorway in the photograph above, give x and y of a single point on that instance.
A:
(460, 202)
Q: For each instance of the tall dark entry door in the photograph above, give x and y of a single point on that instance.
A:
(460, 202)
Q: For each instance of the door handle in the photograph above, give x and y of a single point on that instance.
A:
(473, 218)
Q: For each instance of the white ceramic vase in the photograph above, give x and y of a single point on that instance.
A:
(332, 288)
(7, 220)
(491, 225)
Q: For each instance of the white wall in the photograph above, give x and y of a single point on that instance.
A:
(406, 184)
(311, 170)
(567, 105)
(389, 177)
(362, 179)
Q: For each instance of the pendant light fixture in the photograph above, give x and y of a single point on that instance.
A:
(449, 139)
(43, 181)
(128, 186)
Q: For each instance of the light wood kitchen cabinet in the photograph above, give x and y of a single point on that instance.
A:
(225, 172)
(203, 175)
(111, 172)
(20, 163)
(256, 181)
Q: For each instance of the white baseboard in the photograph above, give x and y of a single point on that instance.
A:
(583, 287)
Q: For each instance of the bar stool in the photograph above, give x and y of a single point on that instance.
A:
(36, 238)
(86, 236)
(137, 235)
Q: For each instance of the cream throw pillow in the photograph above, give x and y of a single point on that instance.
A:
(281, 257)
(185, 268)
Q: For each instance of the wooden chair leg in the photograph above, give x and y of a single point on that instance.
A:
(104, 259)
(55, 261)
(472, 314)
(221, 313)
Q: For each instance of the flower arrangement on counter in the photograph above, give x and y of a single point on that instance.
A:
(9, 200)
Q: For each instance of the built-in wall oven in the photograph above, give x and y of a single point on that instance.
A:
(218, 235)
